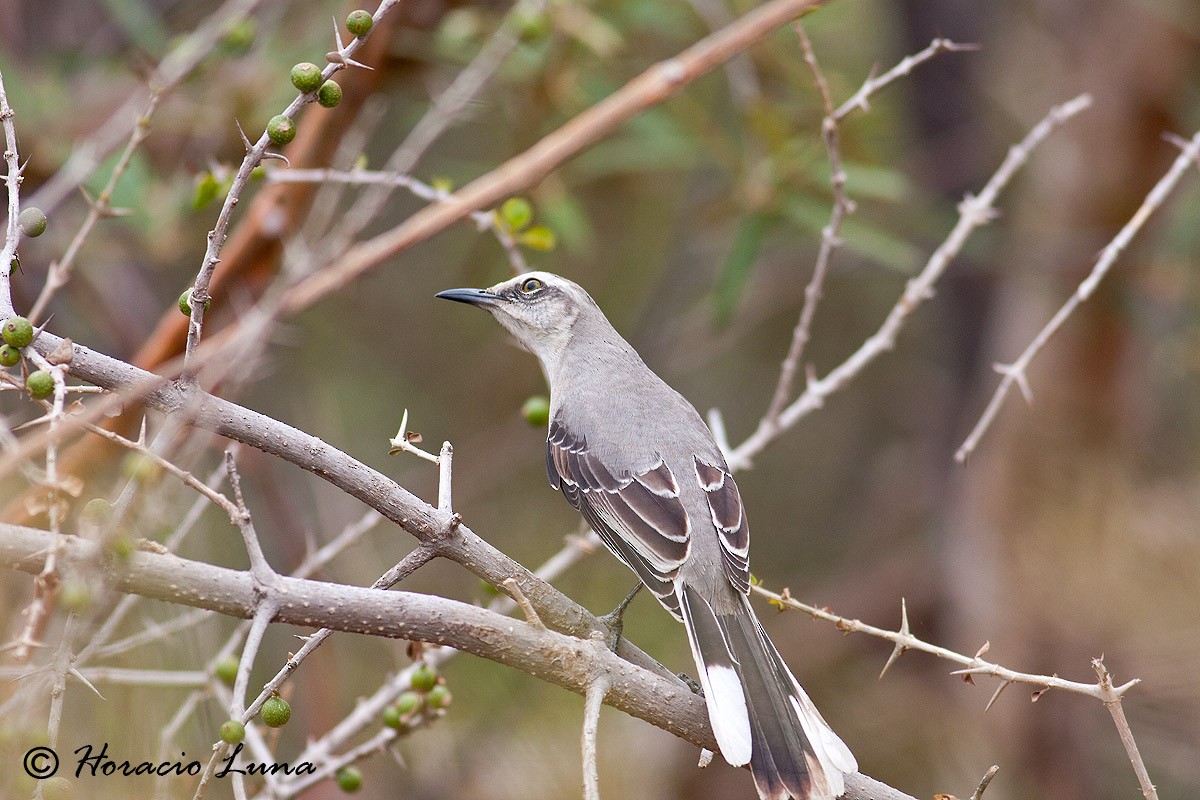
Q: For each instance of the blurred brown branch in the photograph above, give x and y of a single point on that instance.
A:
(520, 172)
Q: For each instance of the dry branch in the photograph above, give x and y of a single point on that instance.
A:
(566, 661)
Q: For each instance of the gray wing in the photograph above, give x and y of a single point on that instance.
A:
(638, 516)
(729, 518)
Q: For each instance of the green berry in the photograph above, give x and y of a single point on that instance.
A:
(39, 384)
(439, 697)
(232, 731)
(122, 546)
(140, 467)
(276, 712)
(392, 717)
(32, 222)
(75, 596)
(97, 511)
(239, 37)
(57, 788)
(359, 23)
(17, 331)
(281, 130)
(407, 702)
(424, 678)
(532, 25)
(536, 410)
(185, 303)
(9, 355)
(516, 213)
(226, 670)
(539, 237)
(349, 779)
(306, 77)
(330, 94)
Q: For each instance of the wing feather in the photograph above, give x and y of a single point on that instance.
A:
(729, 518)
(639, 517)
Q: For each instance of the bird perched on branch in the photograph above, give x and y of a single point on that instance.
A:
(635, 458)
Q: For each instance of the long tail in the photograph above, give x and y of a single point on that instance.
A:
(759, 713)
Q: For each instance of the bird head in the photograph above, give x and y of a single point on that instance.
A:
(538, 308)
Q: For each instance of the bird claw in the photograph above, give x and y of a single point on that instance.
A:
(615, 619)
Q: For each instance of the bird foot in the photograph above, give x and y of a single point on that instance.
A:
(691, 683)
(615, 619)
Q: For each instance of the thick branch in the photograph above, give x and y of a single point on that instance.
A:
(441, 529)
(556, 658)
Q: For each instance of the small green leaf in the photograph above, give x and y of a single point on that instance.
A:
(539, 237)
(207, 187)
(740, 263)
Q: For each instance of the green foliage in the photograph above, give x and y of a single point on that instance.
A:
(732, 279)
(516, 212)
(207, 189)
(539, 237)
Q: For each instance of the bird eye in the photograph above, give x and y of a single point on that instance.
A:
(531, 285)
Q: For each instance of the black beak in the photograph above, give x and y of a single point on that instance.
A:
(475, 297)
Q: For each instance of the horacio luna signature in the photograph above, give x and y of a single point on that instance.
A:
(99, 764)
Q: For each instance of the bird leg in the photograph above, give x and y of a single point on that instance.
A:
(615, 619)
(691, 683)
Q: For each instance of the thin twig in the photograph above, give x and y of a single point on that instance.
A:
(974, 211)
(446, 478)
(484, 220)
(653, 86)
(984, 781)
(873, 84)
(830, 235)
(1112, 701)
(974, 665)
(339, 59)
(183, 58)
(1016, 372)
(593, 701)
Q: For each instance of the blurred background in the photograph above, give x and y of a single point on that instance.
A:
(1070, 534)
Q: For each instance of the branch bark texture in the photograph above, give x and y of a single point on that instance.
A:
(566, 661)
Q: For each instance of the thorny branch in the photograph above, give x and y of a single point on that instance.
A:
(566, 660)
(974, 211)
(1016, 372)
(903, 639)
(650, 88)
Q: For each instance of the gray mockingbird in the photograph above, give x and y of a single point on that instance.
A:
(639, 463)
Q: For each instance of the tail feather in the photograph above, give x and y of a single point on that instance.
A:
(793, 752)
